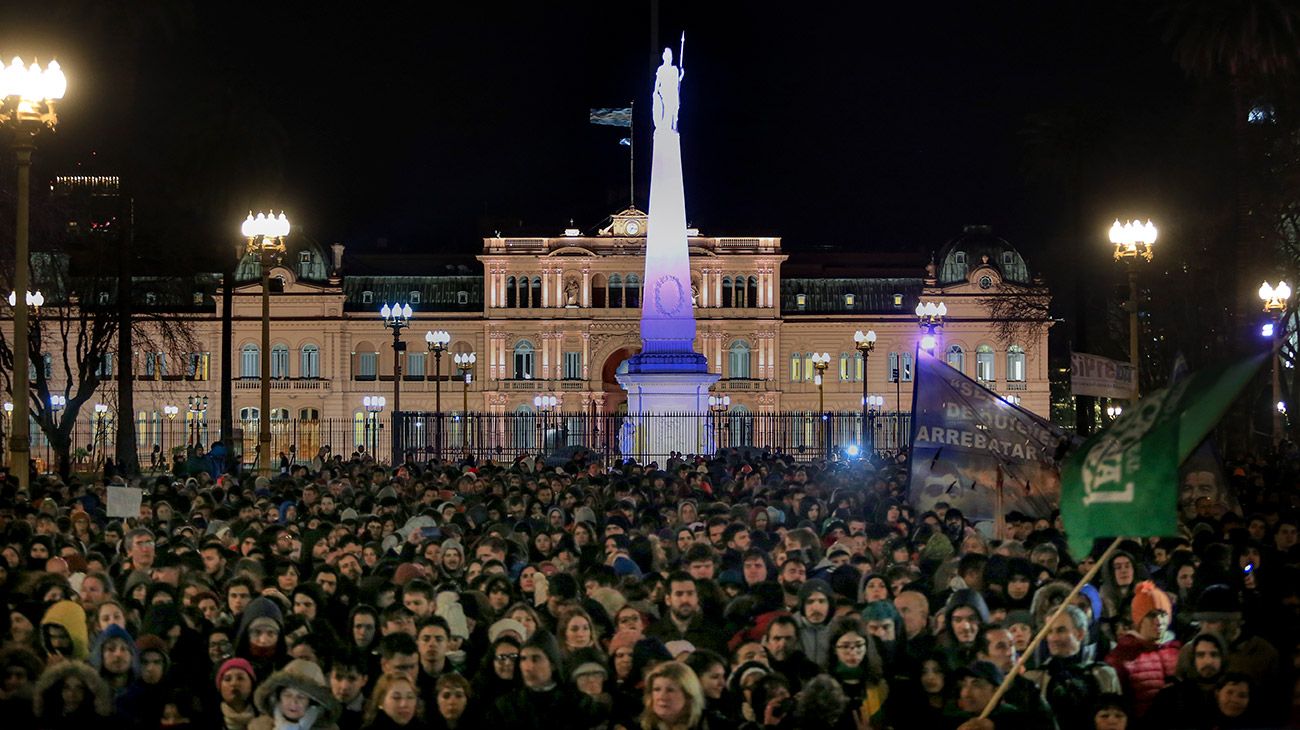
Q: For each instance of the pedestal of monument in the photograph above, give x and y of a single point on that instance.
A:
(666, 397)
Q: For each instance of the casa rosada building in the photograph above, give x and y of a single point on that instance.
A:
(559, 315)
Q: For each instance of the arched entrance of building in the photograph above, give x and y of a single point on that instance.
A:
(615, 396)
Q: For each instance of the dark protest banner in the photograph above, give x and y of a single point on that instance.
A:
(966, 440)
(1100, 376)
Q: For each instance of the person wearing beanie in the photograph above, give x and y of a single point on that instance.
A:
(545, 697)
(295, 697)
(1146, 655)
(260, 638)
(1218, 610)
(235, 680)
(813, 615)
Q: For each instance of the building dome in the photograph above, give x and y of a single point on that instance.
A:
(977, 246)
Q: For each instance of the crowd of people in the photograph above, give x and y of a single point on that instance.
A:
(739, 591)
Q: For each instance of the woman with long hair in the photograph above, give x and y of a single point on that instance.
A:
(394, 703)
(858, 667)
(673, 699)
(498, 673)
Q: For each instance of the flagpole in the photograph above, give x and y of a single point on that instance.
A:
(1042, 632)
(999, 507)
(631, 154)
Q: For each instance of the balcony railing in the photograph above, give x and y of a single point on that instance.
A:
(283, 384)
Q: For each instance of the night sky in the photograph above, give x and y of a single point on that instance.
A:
(834, 125)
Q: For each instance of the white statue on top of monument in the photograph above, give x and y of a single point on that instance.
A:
(668, 80)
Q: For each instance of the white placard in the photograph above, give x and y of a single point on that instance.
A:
(124, 501)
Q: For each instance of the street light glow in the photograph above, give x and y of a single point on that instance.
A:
(31, 83)
(264, 226)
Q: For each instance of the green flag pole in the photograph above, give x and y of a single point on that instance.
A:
(1042, 632)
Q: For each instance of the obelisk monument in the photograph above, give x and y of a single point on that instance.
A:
(668, 376)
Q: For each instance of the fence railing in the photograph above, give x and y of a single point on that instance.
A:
(501, 436)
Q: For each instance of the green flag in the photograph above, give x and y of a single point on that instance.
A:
(1124, 480)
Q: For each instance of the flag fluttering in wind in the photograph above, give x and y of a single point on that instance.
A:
(617, 117)
(1124, 480)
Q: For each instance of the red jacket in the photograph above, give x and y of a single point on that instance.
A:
(1144, 668)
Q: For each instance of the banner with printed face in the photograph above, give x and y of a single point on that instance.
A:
(967, 442)
(1100, 376)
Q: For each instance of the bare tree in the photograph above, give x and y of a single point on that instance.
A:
(1017, 312)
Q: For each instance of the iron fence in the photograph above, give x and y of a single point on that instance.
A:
(501, 436)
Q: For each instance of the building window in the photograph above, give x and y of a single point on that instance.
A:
(849, 300)
(984, 364)
(846, 367)
(1008, 258)
(150, 369)
(1015, 364)
(615, 290)
(415, 364)
(367, 297)
(957, 358)
(150, 298)
(462, 298)
(103, 297)
(105, 368)
(512, 293)
(308, 414)
(197, 366)
(48, 361)
(523, 360)
(250, 361)
(900, 367)
(907, 367)
(573, 366)
(801, 301)
(959, 258)
(309, 362)
(738, 299)
(898, 300)
(738, 359)
(248, 414)
(279, 361)
(413, 297)
(633, 296)
(796, 367)
(1012, 399)
(367, 365)
(751, 291)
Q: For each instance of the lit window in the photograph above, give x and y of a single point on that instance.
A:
(898, 300)
(801, 300)
(367, 297)
(848, 301)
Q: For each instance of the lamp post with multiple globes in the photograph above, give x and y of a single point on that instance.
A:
(718, 407)
(465, 365)
(374, 405)
(197, 407)
(1133, 240)
(865, 342)
(27, 98)
(545, 405)
(396, 318)
(265, 236)
(437, 344)
(1275, 303)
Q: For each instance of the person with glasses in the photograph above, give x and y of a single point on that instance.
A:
(857, 666)
(498, 674)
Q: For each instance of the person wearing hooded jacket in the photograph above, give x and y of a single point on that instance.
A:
(963, 616)
(63, 631)
(813, 617)
(71, 696)
(1202, 662)
(260, 638)
(117, 660)
(295, 697)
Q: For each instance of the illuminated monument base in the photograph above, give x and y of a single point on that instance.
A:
(668, 381)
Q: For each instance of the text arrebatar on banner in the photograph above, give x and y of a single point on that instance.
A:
(966, 441)
(1124, 480)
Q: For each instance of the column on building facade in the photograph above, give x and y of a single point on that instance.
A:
(586, 355)
(704, 287)
(717, 288)
(762, 289)
(586, 287)
(546, 287)
(558, 286)
(771, 286)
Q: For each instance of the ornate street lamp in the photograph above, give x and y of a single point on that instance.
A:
(265, 236)
(397, 318)
(437, 344)
(930, 316)
(170, 412)
(821, 361)
(1275, 304)
(374, 405)
(197, 406)
(1133, 240)
(865, 342)
(718, 406)
(27, 99)
(545, 405)
(465, 365)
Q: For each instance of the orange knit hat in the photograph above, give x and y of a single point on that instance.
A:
(1147, 598)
